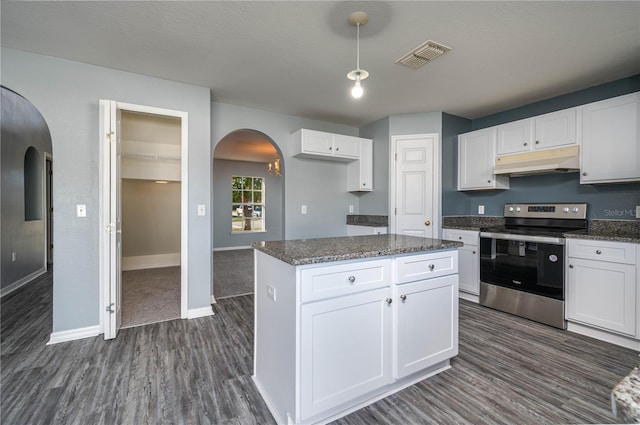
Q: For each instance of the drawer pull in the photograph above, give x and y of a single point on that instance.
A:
(570, 266)
(403, 297)
(473, 252)
(431, 266)
(352, 279)
(598, 252)
(389, 300)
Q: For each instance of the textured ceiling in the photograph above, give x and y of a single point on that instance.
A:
(293, 57)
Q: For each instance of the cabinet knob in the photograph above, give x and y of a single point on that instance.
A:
(432, 266)
(525, 143)
(570, 266)
(388, 300)
(473, 252)
(585, 173)
(337, 149)
(403, 297)
(488, 181)
(537, 142)
(460, 237)
(352, 279)
(364, 184)
(330, 148)
(598, 252)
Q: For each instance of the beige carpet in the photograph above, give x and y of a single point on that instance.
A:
(150, 296)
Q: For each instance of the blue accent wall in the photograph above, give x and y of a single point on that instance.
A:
(606, 201)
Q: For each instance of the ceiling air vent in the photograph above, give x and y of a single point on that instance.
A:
(427, 51)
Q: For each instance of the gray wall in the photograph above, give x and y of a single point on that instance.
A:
(223, 170)
(22, 126)
(150, 218)
(67, 94)
(608, 201)
(376, 202)
(321, 185)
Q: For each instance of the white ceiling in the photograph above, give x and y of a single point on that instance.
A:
(293, 57)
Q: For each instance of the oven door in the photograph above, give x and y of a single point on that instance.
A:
(531, 264)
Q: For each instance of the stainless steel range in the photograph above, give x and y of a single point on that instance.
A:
(522, 263)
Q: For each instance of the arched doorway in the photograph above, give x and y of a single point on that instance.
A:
(247, 206)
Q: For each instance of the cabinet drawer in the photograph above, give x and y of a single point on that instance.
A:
(426, 266)
(615, 252)
(468, 237)
(331, 281)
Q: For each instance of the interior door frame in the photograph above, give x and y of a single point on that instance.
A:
(105, 203)
(437, 176)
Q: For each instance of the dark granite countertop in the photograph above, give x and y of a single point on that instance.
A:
(368, 220)
(326, 250)
(610, 230)
(625, 398)
(471, 222)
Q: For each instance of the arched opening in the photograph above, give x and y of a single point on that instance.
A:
(32, 185)
(247, 205)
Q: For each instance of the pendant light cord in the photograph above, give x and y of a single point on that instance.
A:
(358, 46)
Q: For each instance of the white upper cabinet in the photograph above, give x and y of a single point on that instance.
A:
(515, 137)
(360, 172)
(542, 132)
(611, 141)
(328, 146)
(476, 159)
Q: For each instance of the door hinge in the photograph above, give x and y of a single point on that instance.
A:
(396, 156)
(110, 136)
(395, 211)
(111, 308)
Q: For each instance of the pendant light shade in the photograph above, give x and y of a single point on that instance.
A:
(357, 75)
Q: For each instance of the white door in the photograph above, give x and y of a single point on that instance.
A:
(415, 197)
(113, 216)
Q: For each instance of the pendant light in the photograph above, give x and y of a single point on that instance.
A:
(357, 75)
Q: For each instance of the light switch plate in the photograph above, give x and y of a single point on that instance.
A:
(201, 209)
(303, 209)
(81, 210)
(271, 292)
(351, 209)
(480, 209)
(637, 211)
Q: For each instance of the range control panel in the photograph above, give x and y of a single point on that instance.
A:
(577, 211)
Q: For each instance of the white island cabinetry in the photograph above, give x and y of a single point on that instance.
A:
(333, 337)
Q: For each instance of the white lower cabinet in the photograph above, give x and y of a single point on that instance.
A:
(345, 349)
(469, 258)
(333, 337)
(602, 285)
(426, 323)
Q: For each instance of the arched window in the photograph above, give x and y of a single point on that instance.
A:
(32, 185)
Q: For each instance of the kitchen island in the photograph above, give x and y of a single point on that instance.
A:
(343, 322)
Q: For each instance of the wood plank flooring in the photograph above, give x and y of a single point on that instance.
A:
(509, 371)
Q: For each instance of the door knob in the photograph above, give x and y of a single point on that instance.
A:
(427, 223)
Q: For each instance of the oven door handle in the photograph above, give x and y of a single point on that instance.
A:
(523, 238)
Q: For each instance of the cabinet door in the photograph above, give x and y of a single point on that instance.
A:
(611, 140)
(602, 294)
(317, 142)
(360, 172)
(345, 349)
(515, 137)
(427, 324)
(346, 146)
(476, 160)
(469, 269)
(555, 129)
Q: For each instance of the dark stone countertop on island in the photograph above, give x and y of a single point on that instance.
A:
(326, 250)
(610, 230)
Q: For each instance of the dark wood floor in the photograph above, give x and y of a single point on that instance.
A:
(509, 371)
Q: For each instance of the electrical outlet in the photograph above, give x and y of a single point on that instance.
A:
(480, 209)
(351, 209)
(637, 211)
(81, 210)
(13, 256)
(303, 209)
(271, 292)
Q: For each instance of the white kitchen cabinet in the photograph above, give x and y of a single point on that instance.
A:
(426, 324)
(546, 131)
(468, 258)
(611, 140)
(476, 159)
(360, 172)
(602, 285)
(357, 230)
(327, 146)
(345, 349)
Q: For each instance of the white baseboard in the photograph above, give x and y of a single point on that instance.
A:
(73, 334)
(612, 338)
(150, 261)
(194, 313)
(231, 248)
(469, 297)
(21, 282)
(213, 300)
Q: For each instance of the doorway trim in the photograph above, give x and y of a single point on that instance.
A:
(437, 176)
(48, 209)
(105, 202)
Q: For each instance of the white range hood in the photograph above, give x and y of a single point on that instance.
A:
(559, 160)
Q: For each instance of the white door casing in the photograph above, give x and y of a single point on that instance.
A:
(415, 185)
(111, 207)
